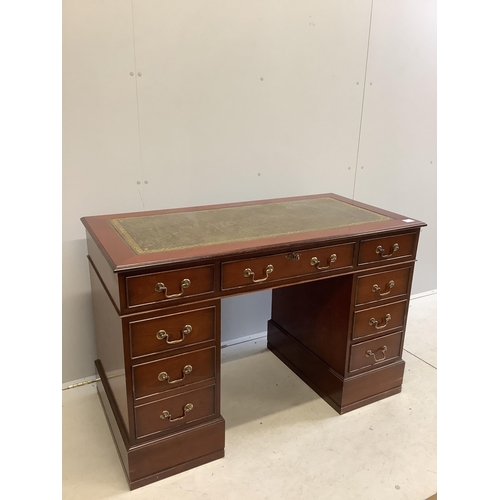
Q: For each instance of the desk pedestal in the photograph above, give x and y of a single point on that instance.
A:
(311, 331)
(164, 457)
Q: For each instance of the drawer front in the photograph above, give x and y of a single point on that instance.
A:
(175, 411)
(378, 320)
(276, 267)
(169, 285)
(382, 286)
(376, 351)
(163, 333)
(388, 248)
(173, 372)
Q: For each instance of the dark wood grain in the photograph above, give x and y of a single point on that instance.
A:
(149, 421)
(110, 347)
(286, 265)
(405, 248)
(384, 350)
(145, 375)
(310, 368)
(176, 453)
(364, 320)
(141, 289)
(317, 315)
(372, 386)
(367, 294)
(320, 326)
(144, 332)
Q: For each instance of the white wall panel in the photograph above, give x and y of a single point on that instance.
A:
(234, 101)
(250, 99)
(397, 157)
(100, 152)
(245, 315)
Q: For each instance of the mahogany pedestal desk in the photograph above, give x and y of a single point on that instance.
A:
(341, 275)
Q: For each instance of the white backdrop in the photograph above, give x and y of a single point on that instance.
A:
(180, 103)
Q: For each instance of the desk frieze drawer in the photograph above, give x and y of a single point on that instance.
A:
(382, 286)
(378, 320)
(169, 286)
(276, 267)
(171, 331)
(173, 372)
(175, 411)
(388, 248)
(376, 351)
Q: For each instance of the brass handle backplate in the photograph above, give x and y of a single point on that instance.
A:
(164, 376)
(370, 353)
(165, 415)
(380, 251)
(374, 322)
(316, 262)
(160, 287)
(388, 287)
(162, 334)
(249, 273)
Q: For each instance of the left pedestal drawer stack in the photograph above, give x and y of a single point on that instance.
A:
(160, 378)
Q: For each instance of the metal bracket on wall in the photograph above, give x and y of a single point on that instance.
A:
(86, 382)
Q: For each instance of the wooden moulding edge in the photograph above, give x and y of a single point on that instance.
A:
(132, 455)
(342, 394)
(306, 365)
(113, 417)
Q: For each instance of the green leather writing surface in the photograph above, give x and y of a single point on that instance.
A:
(174, 231)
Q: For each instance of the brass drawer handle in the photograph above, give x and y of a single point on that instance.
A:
(249, 273)
(162, 334)
(315, 262)
(160, 287)
(374, 322)
(370, 353)
(380, 251)
(164, 376)
(388, 287)
(166, 414)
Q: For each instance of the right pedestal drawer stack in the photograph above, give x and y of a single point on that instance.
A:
(374, 367)
(381, 303)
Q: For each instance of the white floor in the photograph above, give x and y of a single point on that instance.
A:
(282, 440)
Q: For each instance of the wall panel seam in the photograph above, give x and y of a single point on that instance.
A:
(362, 101)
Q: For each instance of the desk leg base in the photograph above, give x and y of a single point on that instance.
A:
(342, 394)
(158, 459)
(141, 458)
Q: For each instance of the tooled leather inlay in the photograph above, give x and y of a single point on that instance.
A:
(174, 231)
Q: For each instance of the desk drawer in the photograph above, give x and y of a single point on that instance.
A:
(376, 351)
(163, 333)
(276, 267)
(168, 285)
(378, 320)
(172, 372)
(388, 248)
(382, 286)
(175, 411)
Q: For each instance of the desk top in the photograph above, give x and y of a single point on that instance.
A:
(164, 236)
